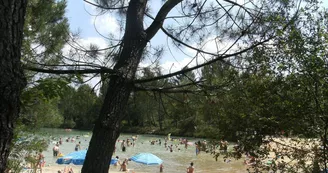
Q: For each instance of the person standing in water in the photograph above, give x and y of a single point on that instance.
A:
(197, 149)
(191, 168)
(123, 147)
(78, 146)
(55, 150)
(40, 160)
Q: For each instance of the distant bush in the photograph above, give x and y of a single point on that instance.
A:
(68, 124)
(207, 131)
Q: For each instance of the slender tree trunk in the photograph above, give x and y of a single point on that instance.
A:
(107, 126)
(160, 112)
(12, 81)
(159, 115)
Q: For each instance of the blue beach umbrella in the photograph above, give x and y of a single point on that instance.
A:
(76, 158)
(147, 159)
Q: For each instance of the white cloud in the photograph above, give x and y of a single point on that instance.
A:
(105, 24)
(215, 46)
(37, 48)
(84, 43)
(170, 66)
(99, 41)
(173, 66)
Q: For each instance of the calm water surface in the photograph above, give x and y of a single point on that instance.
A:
(175, 162)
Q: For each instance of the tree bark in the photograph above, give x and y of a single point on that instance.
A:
(12, 81)
(107, 126)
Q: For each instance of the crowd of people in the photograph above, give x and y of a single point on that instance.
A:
(131, 142)
(55, 150)
(172, 145)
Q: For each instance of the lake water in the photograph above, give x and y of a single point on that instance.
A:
(175, 162)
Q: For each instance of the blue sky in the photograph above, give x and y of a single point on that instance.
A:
(80, 19)
(78, 14)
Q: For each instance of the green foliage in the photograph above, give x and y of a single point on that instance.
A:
(207, 131)
(26, 149)
(52, 103)
(52, 87)
(69, 124)
(46, 31)
(282, 92)
(79, 107)
(43, 114)
(40, 103)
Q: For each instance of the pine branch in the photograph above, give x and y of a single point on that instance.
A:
(160, 17)
(105, 8)
(83, 71)
(219, 58)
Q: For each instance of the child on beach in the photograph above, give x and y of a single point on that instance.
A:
(118, 161)
(123, 166)
(66, 170)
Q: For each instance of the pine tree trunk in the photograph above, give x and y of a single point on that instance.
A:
(160, 112)
(107, 126)
(12, 79)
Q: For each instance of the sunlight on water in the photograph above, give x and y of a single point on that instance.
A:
(175, 162)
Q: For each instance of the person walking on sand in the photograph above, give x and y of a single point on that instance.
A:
(161, 167)
(191, 168)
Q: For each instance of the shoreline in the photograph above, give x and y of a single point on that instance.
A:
(76, 169)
